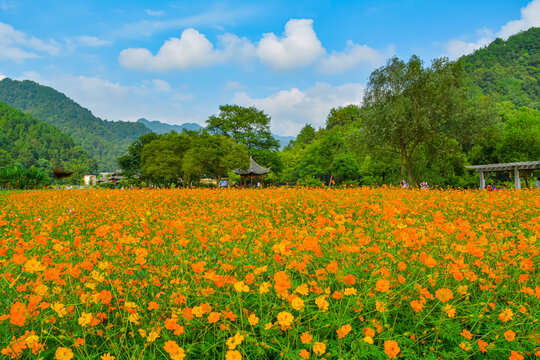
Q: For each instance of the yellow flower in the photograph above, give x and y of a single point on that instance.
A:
(285, 319)
(297, 303)
(197, 311)
(60, 309)
(233, 355)
(322, 303)
(265, 287)
(368, 339)
(253, 319)
(241, 287)
(63, 353)
(319, 348)
(234, 341)
(350, 291)
(85, 319)
(302, 290)
(33, 266)
(152, 336)
(107, 356)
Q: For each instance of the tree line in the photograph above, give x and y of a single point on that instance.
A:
(416, 122)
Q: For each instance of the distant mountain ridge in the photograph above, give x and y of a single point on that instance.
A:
(104, 140)
(161, 128)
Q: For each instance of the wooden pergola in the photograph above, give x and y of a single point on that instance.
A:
(254, 171)
(515, 167)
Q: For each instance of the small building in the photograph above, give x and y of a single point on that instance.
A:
(254, 171)
(509, 167)
(90, 179)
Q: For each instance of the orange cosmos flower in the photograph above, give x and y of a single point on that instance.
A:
(510, 335)
(174, 351)
(515, 356)
(304, 354)
(382, 285)
(282, 282)
(306, 338)
(482, 345)
(391, 349)
(444, 295)
(322, 304)
(85, 319)
(18, 314)
(506, 315)
(214, 317)
(343, 331)
(107, 356)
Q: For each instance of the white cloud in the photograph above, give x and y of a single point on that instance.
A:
(191, 50)
(17, 46)
(155, 12)
(2, 76)
(298, 47)
(154, 99)
(292, 109)
(214, 17)
(91, 41)
(353, 56)
(456, 48)
(530, 17)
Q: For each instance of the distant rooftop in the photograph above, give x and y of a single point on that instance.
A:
(253, 170)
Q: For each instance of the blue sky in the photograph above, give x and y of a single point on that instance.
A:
(177, 61)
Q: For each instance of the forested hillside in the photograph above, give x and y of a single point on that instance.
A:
(508, 70)
(103, 140)
(26, 141)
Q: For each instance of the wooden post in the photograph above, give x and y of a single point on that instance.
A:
(517, 180)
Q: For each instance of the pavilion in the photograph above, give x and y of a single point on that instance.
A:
(515, 167)
(254, 171)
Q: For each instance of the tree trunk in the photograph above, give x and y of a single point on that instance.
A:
(330, 181)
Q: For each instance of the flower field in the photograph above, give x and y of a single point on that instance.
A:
(270, 274)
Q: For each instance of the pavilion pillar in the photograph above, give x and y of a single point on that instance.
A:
(517, 179)
(482, 180)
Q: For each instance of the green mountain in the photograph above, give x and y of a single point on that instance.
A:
(162, 128)
(508, 70)
(26, 141)
(104, 140)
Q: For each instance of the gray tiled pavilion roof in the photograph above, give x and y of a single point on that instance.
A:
(526, 165)
(253, 170)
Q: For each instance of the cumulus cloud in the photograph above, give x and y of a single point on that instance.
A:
(292, 109)
(298, 47)
(17, 46)
(530, 17)
(191, 50)
(353, 56)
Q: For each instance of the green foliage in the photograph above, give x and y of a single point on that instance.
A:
(409, 106)
(508, 70)
(23, 178)
(247, 126)
(103, 140)
(342, 115)
(27, 142)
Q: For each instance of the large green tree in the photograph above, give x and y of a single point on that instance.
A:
(410, 106)
(214, 155)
